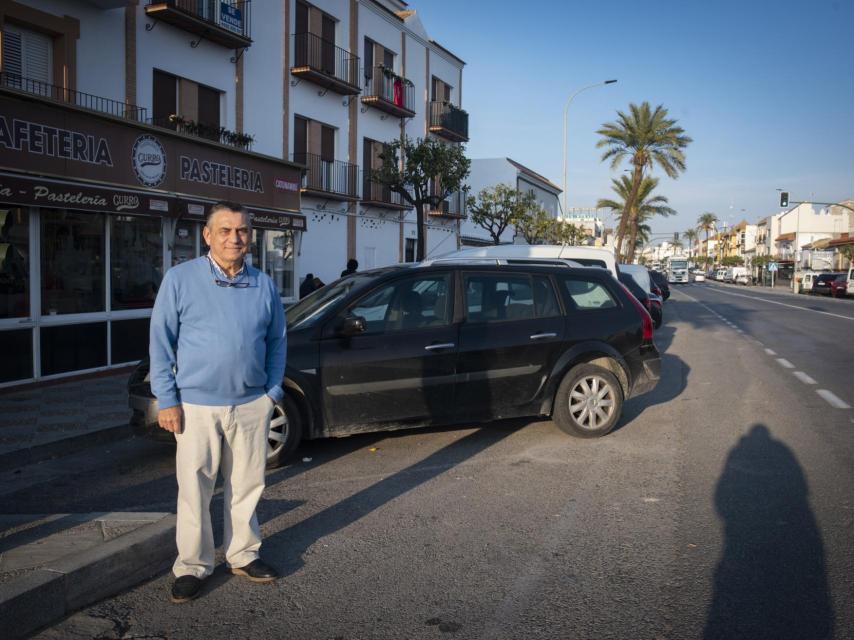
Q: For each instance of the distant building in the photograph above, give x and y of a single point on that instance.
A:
(488, 172)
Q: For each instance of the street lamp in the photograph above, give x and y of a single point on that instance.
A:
(565, 114)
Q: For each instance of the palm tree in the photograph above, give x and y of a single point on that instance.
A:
(646, 137)
(647, 205)
(644, 232)
(707, 222)
(691, 236)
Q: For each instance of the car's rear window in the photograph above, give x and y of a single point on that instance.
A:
(587, 294)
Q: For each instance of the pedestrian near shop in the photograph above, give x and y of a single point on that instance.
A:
(217, 362)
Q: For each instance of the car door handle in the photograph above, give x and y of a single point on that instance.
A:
(436, 347)
(543, 336)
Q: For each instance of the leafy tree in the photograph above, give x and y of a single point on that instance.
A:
(535, 226)
(429, 172)
(646, 205)
(646, 137)
(563, 232)
(848, 253)
(497, 208)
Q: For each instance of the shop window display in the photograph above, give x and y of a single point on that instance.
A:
(72, 262)
(136, 261)
(14, 263)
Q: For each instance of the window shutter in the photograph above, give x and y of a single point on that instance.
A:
(12, 53)
(37, 56)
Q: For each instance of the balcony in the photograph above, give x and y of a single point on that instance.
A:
(450, 207)
(324, 64)
(376, 194)
(328, 178)
(224, 22)
(449, 121)
(390, 92)
(213, 133)
(77, 98)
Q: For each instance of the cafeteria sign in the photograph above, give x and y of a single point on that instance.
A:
(231, 17)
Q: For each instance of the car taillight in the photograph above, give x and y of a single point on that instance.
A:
(656, 291)
(646, 319)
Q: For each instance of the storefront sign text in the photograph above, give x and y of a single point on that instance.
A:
(32, 137)
(220, 175)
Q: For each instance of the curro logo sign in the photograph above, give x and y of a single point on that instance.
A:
(149, 160)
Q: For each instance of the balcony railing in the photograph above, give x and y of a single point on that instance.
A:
(449, 121)
(375, 193)
(390, 92)
(325, 64)
(225, 22)
(328, 178)
(76, 98)
(205, 131)
(450, 207)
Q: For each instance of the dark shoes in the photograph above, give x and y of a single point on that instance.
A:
(256, 571)
(186, 588)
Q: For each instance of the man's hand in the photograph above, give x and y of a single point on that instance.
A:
(171, 419)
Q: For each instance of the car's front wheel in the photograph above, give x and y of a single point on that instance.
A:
(588, 402)
(285, 432)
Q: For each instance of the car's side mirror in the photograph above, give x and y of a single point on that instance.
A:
(351, 326)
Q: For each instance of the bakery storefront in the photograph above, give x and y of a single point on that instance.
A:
(94, 210)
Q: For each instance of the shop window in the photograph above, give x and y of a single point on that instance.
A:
(184, 242)
(129, 340)
(136, 261)
(17, 360)
(14, 263)
(279, 261)
(73, 347)
(72, 262)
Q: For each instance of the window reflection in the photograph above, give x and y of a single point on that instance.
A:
(14, 263)
(184, 247)
(136, 256)
(72, 262)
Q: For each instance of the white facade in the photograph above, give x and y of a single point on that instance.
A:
(489, 172)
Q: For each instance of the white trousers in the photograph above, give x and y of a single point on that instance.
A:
(232, 440)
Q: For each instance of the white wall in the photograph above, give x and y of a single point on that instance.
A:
(324, 246)
(100, 31)
(548, 200)
(263, 86)
(485, 173)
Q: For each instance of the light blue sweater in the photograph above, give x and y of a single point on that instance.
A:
(214, 345)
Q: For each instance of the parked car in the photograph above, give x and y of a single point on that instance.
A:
(807, 281)
(640, 274)
(742, 278)
(699, 275)
(720, 275)
(587, 256)
(849, 276)
(660, 280)
(821, 284)
(447, 343)
(839, 286)
(655, 311)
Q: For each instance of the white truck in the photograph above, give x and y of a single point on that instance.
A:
(677, 270)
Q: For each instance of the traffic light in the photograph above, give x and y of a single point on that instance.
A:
(784, 199)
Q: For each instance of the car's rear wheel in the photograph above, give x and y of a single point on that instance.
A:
(588, 402)
(285, 432)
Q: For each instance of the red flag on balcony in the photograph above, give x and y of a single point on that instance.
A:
(398, 92)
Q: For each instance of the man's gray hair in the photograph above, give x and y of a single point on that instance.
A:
(225, 205)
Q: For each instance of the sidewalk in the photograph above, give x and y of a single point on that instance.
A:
(780, 291)
(43, 422)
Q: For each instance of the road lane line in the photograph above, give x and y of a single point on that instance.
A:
(785, 363)
(770, 352)
(783, 304)
(800, 375)
(832, 399)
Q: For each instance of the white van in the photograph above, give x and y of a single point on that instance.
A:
(807, 279)
(586, 256)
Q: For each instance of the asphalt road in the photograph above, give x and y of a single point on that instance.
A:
(722, 507)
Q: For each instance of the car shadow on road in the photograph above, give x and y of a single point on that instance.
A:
(771, 581)
(286, 548)
(674, 380)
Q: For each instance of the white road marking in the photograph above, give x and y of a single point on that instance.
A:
(800, 375)
(770, 352)
(785, 363)
(832, 399)
(783, 304)
(759, 342)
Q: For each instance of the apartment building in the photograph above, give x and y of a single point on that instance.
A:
(122, 121)
(489, 172)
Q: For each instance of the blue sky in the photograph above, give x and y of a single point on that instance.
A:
(765, 89)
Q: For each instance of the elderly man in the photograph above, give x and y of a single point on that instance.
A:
(217, 363)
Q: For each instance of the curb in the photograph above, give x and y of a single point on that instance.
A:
(63, 446)
(75, 581)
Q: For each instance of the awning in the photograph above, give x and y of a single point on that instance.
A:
(785, 237)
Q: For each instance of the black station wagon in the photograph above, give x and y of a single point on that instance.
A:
(447, 343)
